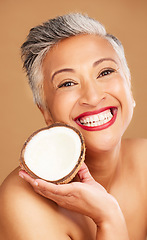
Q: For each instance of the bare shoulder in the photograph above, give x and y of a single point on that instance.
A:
(135, 172)
(135, 155)
(137, 148)
(26, 215)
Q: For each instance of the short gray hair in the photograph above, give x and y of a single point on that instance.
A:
(41, 38)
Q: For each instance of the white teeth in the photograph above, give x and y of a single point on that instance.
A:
(97, 119)
(102, 117)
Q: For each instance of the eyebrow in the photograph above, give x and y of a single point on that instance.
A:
(73, 71)
(62, 70)
(102, 60)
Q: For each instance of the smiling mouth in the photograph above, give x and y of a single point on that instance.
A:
(97, 121)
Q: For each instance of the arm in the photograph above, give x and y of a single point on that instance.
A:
(27, 215)
(88, 198)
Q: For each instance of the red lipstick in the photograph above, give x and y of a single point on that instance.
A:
(113, 111)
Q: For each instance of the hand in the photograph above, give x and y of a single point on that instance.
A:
(86, 197)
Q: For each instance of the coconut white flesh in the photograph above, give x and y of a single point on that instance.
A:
(53, 153)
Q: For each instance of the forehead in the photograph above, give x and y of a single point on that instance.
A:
(78, 50)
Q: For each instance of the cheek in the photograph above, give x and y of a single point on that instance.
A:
(128, 105)
(61, 106)
(126, 101)
(120, 90)
(115, 87)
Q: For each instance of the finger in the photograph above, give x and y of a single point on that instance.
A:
(61, 190)
(27, 178)
(45, 187)
(85, 176)
(39, 185)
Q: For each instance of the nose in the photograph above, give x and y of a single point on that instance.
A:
(91, 94)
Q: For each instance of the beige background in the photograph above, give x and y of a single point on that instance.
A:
(127, 19)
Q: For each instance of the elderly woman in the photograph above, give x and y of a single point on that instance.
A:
(79, 75)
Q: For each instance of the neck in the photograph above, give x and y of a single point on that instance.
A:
(104, 166)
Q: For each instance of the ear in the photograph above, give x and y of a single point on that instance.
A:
(46, 114)
(133, 101)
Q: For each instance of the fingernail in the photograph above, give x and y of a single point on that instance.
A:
(35, 183)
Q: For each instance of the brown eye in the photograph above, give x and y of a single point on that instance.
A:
(67, 84)
(106, 72)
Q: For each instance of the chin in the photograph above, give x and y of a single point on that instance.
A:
(103, 145)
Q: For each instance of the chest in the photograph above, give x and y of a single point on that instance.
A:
(129, 195)
(131, 201)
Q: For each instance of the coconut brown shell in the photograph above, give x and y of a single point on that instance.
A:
(74, 171)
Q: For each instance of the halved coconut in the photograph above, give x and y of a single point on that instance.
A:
(54, 153)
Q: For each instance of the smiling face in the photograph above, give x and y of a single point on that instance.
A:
(85, 87)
